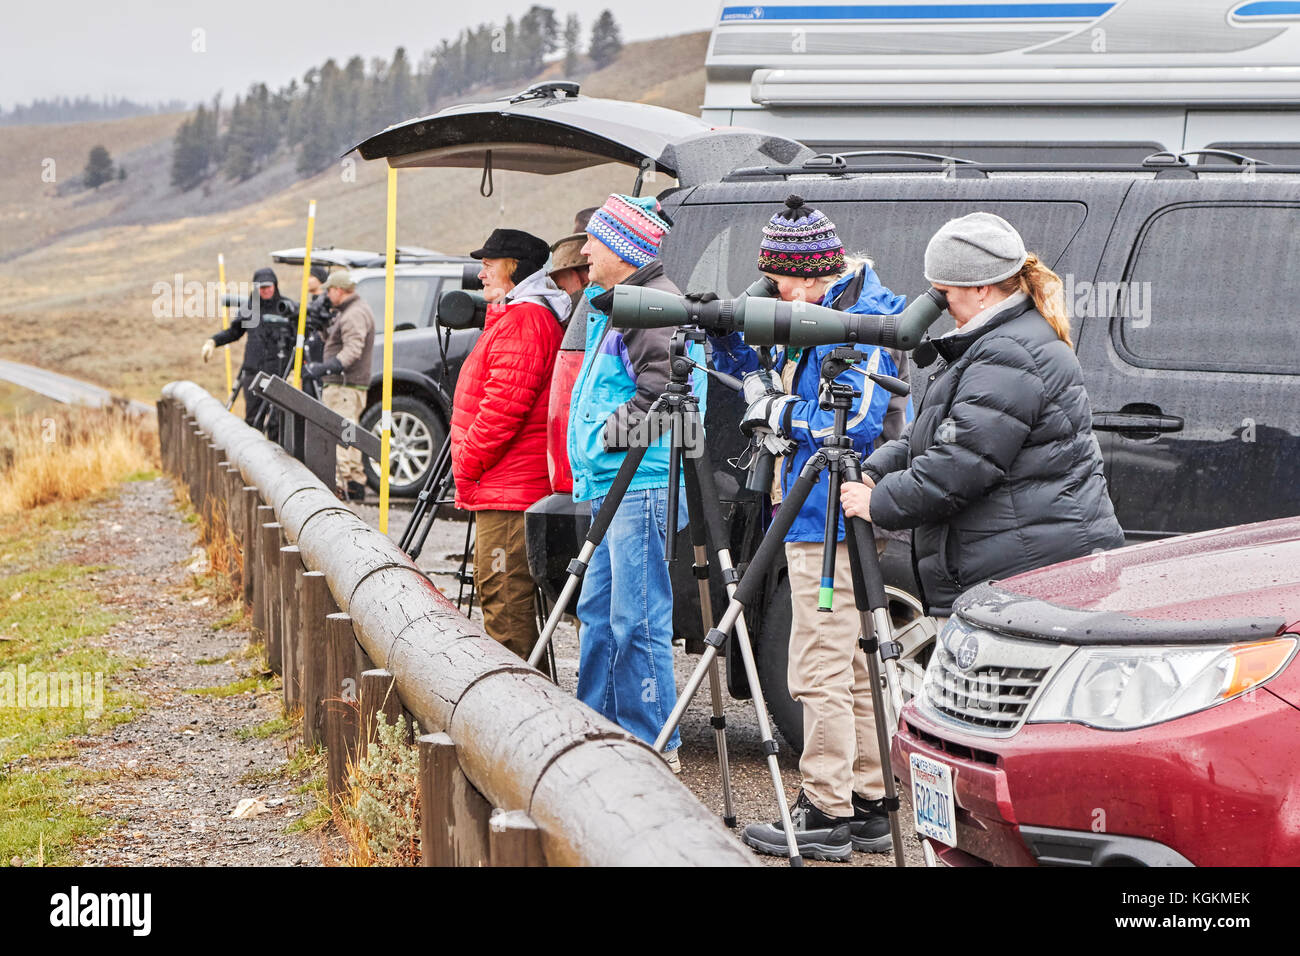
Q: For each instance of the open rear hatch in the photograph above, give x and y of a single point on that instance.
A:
(551, 128)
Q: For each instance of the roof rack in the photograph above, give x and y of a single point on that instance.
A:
(1165, 164)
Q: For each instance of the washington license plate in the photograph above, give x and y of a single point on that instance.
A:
(932, 801)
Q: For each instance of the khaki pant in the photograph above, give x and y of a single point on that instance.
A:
(505, 588)
(828, 676)
(348, 402)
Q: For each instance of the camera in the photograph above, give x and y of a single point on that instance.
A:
(462, 309)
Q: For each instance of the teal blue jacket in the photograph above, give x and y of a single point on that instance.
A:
(623, 372)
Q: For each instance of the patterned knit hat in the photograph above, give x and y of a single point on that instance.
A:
(630, 227)
(800, 241)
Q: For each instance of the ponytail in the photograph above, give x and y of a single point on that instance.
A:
(1044, 287)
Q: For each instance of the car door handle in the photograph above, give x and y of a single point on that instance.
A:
(1135, 422)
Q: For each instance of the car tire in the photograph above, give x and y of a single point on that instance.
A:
(418, 436)
(772, 656)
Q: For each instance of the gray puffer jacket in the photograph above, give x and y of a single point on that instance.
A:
(999, 472)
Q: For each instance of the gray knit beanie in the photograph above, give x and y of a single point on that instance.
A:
(979, 249)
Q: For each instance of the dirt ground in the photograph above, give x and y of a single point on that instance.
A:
(171, 778)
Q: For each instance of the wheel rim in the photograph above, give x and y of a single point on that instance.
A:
(914, 654)
(410, 449)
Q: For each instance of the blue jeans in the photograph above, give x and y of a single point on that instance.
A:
(625, 664)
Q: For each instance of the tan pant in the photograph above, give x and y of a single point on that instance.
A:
(348, 402)
(505, 588)
(828, 676)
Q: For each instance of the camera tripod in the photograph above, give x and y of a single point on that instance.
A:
(682, 409)
(838, 455)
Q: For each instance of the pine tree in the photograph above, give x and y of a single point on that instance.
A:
(99, 168)
(605, 40)
(572, 43)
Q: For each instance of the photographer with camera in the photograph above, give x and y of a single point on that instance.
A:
(625, 669)
(839, 807)
(344, 373)
(498, 426)
(999, 472)
(266, 320)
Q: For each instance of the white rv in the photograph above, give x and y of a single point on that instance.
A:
(1104, 81)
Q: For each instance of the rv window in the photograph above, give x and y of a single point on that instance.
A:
(715, 247)
(1211, 287)
(413, 298)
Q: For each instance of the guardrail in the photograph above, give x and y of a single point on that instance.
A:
(513, 771)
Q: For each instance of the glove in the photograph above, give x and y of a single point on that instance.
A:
(701, 297)
(776, 444)
(760, 383)
(321, 369)
(208, 348)
(766, 413)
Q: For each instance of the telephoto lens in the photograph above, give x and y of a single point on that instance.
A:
(461, 309)
(469, 276)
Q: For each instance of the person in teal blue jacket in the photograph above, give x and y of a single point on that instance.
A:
(625, 667)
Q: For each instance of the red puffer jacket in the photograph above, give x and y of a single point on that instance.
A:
(499, 413)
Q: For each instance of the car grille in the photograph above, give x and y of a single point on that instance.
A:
(992, 698)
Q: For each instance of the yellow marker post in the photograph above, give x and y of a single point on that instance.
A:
(302, 302)
(386, 415)
(225, 315)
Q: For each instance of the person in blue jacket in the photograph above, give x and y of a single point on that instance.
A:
(839, 807)
(625, 664)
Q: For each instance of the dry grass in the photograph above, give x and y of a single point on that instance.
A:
(70, 454)
(379, 815)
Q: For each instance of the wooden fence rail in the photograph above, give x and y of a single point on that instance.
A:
(513, 771)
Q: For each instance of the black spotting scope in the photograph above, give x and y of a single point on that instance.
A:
(767, 321)
(462, 309)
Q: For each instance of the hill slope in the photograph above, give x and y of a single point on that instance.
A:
(82, 304)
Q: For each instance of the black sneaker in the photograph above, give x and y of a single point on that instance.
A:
(869, 831)
(818, 836)
(356, 491)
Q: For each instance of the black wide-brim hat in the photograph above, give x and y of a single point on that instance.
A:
(513, 244)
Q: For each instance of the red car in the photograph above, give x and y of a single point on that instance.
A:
(1137, 707)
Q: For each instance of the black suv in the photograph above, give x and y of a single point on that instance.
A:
(1179, 278)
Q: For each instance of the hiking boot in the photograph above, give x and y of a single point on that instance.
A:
(674, 762)
(869, 831)
(818, 836)
(356, 491)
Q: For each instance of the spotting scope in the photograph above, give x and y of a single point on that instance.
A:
(462, 309)
(766, 321)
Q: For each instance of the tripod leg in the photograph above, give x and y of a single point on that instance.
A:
(443, 476)
(695, 508)
(744, 592)
(422, 499)
(869, 594)
(578, 566)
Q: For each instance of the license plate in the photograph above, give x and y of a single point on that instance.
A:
(933, 806)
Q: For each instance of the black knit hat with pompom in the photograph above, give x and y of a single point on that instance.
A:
(800, 241)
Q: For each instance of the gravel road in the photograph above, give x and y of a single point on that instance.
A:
(751, 782)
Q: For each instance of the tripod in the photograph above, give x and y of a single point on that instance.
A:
(682, 409)
(838, 455)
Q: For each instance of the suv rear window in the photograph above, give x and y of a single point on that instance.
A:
(716, 246)
(1218, 282)
(413, 298)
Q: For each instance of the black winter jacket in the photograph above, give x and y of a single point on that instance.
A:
(270, 323)
(999, 472)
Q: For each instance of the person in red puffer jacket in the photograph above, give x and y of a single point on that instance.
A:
(498, 426)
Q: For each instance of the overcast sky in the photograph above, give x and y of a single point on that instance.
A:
(142, 49)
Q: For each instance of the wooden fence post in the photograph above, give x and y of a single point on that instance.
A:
(514, 840)
(315, 603)
(272, 539)
(261, 516)
(249, 500)
(377, 695)
(290, 567)
(453, 815)
(340, 700)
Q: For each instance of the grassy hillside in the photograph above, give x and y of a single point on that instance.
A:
(81, 304)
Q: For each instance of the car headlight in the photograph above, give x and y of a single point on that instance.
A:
(1120, 688)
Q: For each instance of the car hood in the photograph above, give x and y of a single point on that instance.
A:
(1246, 571)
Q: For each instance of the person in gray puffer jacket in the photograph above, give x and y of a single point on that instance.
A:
(999, 472)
